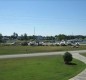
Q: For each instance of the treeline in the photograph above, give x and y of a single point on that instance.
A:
(34, 37)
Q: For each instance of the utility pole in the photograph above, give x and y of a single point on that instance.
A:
(34, 31)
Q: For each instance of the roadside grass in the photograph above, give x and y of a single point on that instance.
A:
(84, 54)
(35, 49)
(39, 68)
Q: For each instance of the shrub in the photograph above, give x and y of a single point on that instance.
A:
(67, 57)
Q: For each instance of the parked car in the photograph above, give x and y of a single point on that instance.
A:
(69, 43)
(63, 43)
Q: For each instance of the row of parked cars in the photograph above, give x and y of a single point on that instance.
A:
(34, 43)
(42, 44)
(62, 43)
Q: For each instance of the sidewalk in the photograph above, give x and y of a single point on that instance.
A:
(82, 75)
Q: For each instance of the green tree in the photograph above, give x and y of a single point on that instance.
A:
(62, 37)
(21, 37)
(25, 36)
(1, 37)
(14, 36)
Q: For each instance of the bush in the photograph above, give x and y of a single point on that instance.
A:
(67, 58)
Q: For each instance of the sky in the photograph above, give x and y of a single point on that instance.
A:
(49, 17)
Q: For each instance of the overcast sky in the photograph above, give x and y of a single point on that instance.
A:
(49, 17)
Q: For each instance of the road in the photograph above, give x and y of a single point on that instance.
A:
(38, 54)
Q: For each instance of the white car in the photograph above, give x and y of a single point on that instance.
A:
(63, 43)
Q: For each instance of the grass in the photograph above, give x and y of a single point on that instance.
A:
(35, 49)
(84, 54)
(39, 68)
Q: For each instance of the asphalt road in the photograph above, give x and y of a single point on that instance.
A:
(38, 54)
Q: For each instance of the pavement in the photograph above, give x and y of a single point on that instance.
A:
(76, 55)
(82, 75)
(38, 54)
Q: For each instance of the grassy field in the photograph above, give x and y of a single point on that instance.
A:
(84, 54)
(39, 68)
(34, 49)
